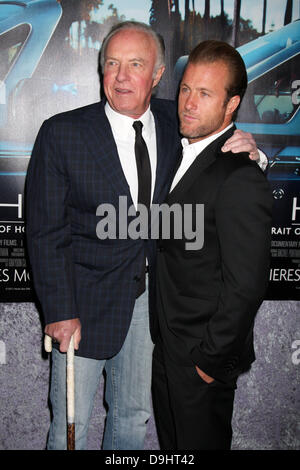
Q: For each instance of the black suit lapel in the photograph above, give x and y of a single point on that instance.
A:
(202, 161)
(100, 141)
(166, 132)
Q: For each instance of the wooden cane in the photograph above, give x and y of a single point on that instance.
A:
(70, 390)
(70, 397)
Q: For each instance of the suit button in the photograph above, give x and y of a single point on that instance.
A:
(161, 248)
(137, 278)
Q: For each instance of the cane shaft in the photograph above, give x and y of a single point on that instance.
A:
(70, 390)
(71, 436)
(70, 397)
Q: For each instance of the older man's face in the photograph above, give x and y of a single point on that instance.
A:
(128, 77)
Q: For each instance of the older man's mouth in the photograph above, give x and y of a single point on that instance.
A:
(123, 91)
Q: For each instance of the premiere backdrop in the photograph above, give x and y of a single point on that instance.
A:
(49, 63)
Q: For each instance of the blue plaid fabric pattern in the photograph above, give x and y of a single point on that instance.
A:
(74, 167)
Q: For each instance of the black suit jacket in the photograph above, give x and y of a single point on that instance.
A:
(74, 168)
(208, 298)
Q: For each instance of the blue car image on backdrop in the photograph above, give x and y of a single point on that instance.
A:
(25, 30)
(270, 111)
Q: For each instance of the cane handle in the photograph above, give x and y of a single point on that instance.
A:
(48, 343)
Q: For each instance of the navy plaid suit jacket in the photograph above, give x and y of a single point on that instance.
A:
(75, 167)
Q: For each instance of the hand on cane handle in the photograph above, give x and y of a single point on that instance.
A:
(48, 343)
(61, 333)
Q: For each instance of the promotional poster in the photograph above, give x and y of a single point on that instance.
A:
(49, 55)
(49, 63)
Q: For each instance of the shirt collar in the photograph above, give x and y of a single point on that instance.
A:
(196, 148)
(122, 124)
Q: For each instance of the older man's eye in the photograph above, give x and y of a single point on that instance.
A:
(110, 63)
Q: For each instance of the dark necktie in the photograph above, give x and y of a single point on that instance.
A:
(144, 184)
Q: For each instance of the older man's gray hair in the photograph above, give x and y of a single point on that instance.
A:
(137, 26)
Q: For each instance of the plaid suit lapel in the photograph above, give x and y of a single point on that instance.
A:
(100, 141)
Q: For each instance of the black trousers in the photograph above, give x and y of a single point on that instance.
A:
(189, 413)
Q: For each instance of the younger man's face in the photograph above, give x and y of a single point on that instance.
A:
(202, 106)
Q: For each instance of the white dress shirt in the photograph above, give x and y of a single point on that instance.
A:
(124, 136)
(191, 151)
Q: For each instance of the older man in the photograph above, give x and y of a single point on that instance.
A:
(209, 292)
(95, 287)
